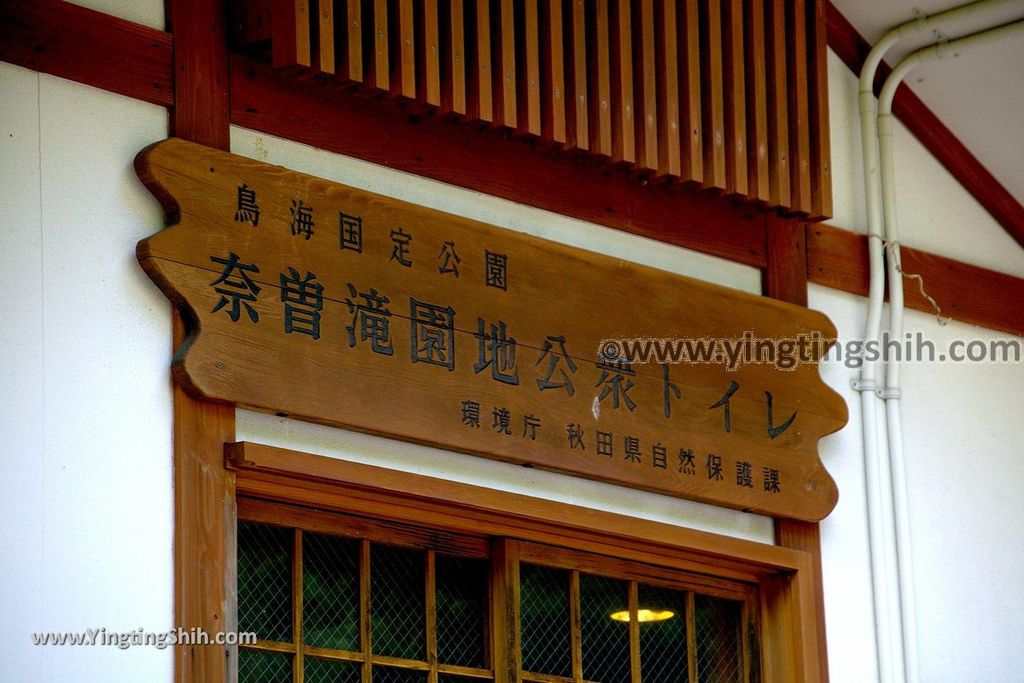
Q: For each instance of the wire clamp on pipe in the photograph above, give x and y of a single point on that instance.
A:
(889, 392)
(864, 385)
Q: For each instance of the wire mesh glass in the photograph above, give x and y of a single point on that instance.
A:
(393, 674)
(330, 592)
(544, 620)
(718, 623)
(397, 605)
(663, 648)
(264, 581)
(452, 678)
(461, 598)
(259, 666)
(605, 641)
(320, 670)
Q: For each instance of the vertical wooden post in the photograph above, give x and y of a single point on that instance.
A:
(785, 278)
(204, 492)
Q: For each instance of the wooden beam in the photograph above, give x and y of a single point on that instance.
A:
(778, 117)
(838, 259)
(89, 47)
(478, 27)
(345, 486)
(757, 102)
(690, 125)
(454, 82)
(799, 125)
(734, 69)
(204, 491)
(821, 146)
(577, 129)
(428, 85)
(600, 70)
(735, 97)
(403, 63)
(337, 120)
(667, 78)
(553, 72)
(380, 71)
(712, 89)
(351, 26)
(623, 104)
(504, 32)
(644, 62)
(528, 58)
(325, 55)
(938, 139)
(785, 278)
(290, 40)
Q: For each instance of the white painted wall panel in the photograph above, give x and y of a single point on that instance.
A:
(22, 494)
(89, 504)
(146, 12)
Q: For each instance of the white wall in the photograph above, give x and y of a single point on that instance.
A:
(85, 494)
(963, 438)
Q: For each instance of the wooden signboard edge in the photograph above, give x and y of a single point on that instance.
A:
(182, 378)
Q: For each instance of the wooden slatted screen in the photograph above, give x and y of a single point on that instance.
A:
(729, 95)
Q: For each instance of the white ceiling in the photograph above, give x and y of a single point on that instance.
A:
(979, 95)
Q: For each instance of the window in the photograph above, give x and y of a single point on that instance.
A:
(473, 584)
(340, 595)
(336, 597)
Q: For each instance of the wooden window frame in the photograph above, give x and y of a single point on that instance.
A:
(365, 531)
(784, 578)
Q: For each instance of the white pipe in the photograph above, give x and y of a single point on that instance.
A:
(878, 484)
(904, 564)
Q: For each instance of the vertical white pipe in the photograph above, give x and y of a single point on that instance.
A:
(888, 529)
(904, 557)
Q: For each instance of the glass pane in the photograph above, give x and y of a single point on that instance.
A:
(605, 640)
(264, 581)
(461, 610)
(544, 621)
(392, 674)
(317, 670)
(257, 666)
(452, 678)
(717, 622)
(397, 611)
(663, 643)
(330, 592)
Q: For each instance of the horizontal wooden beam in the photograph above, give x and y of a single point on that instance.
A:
(944, 145)
(327, 483)
(486, 160)
(838, 259)
(90, 47)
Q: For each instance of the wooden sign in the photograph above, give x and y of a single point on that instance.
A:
(325, 303)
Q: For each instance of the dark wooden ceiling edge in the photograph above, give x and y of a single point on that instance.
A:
(937, 138)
